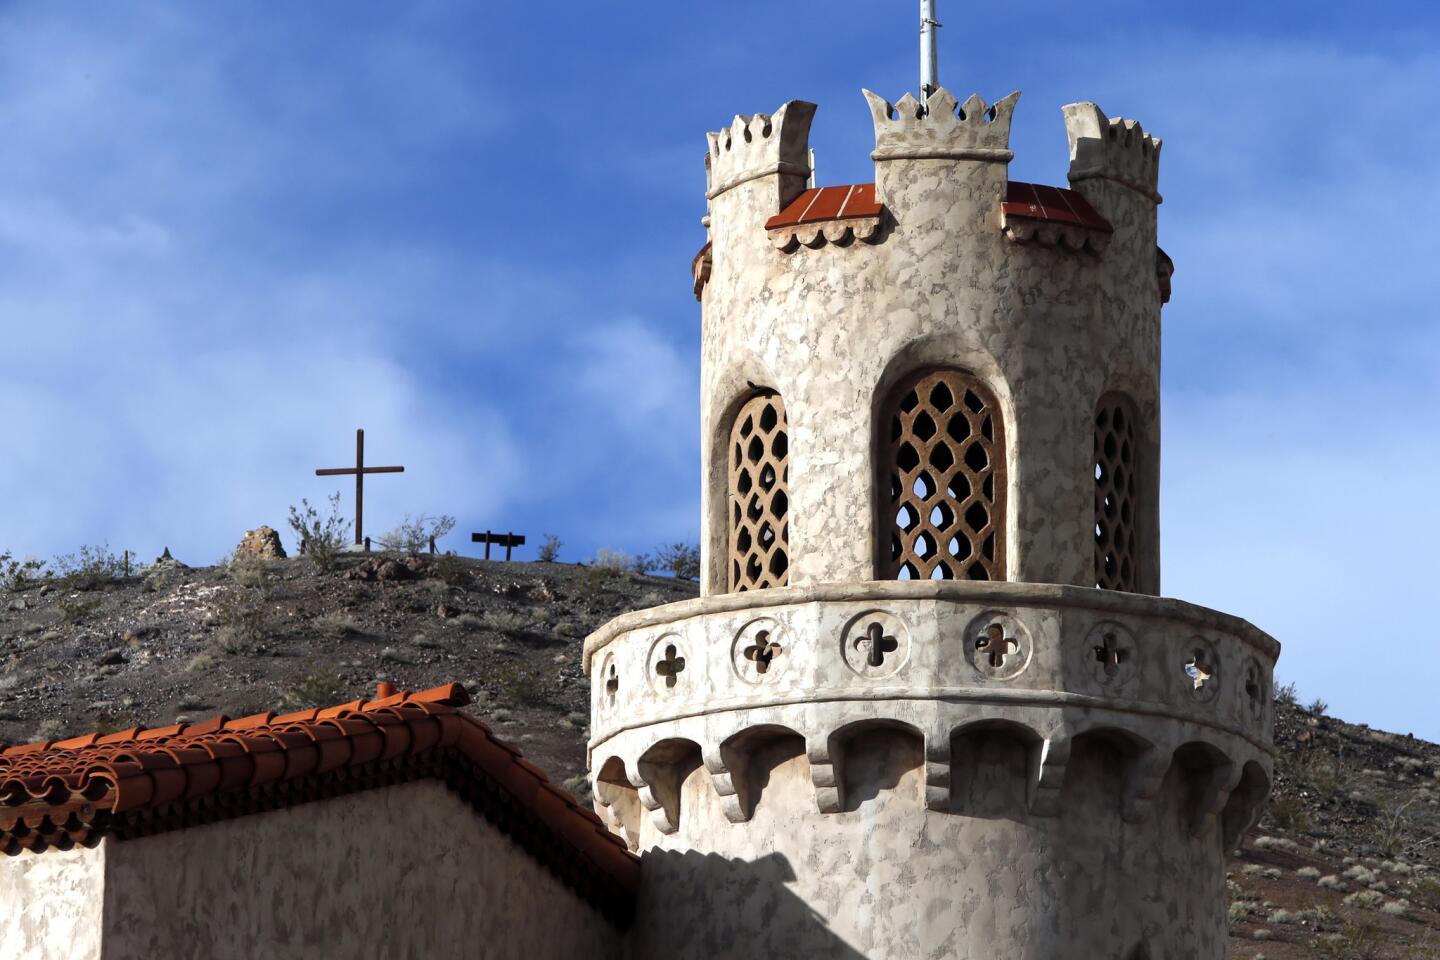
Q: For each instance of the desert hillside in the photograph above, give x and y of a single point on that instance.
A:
(1345, 864)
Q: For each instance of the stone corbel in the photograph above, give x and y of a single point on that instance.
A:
(734, 806)
(1052, 758)
(1220, 783)
(1142, 784)
(823, 775)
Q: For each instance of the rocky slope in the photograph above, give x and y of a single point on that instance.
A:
(1345, 864)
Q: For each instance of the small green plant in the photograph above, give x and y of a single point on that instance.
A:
(1425, 891)
(595, 579)
(321, 537)
(1287, 694)
(518, 682)
(414, 536)
(1391, 827)
(241, 624)
(1354, 941)
(318, 687)
(451, 570)
(1288, 814)
(250, 572)
(550, 548)
(19, 574)
(75, 609)
(681, 560)
(336, 626)
(90, 568)
(1317, 707)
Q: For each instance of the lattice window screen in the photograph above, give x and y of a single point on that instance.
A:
(760, 495)
(1115, 494)
(944, 470)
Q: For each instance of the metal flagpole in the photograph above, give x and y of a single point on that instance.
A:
(929, 50)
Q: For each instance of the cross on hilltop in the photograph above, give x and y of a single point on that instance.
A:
(359, 471)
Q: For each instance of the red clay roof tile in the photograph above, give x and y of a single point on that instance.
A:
(141, 781)
(1030, 201)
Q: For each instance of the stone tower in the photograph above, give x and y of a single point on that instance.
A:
(930, 703)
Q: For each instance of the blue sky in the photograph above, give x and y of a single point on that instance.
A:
(232, 233)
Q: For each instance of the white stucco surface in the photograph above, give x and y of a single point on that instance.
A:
(50, 905)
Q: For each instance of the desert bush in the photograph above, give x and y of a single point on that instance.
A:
(642, 564)
(250, 572)
(1392, 825)
(595, 579)
(507, 622)
(321, 537)
(90, 568)
(681, 560)
(1317, 707)
(451, 570)
(51, 729)
(1354, 941)
(518, 682)
(74, 609)
(550, 548)
(1287, 813)
(1287, 693)
(1426, 892)
(336, 626)
(614, 561)
(413, 536)
(19, 574)
(239, 625)
(319, 686)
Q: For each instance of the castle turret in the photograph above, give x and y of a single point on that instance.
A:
(929, 703)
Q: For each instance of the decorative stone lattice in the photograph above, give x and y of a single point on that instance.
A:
(1115, 494)
(1111, 654)
(760, 495)
(876, 644)
(998, 645)
(945, 466)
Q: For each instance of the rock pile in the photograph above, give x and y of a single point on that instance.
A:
(262, 543)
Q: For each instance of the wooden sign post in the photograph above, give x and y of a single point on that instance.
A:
(507, 540)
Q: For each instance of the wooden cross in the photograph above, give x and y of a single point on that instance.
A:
(1111, 654)
(670, 666)
(997, 645)
(359, 470)
(507, 540)
(877, 644)
(762, 652)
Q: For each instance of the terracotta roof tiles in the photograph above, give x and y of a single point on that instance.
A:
(141, 781)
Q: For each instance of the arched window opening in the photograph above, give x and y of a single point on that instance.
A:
(760, 495)
(944, 475)
(1116, 487)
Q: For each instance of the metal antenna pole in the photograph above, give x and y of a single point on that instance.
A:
(929, 50)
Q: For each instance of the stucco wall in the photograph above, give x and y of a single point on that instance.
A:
(400, 872)
(50, 905)
(834, 327)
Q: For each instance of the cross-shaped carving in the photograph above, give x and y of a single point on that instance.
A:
(612, 682)
(670, 666)
(1252, 685)
(1111, 654)
(1199, 668)
(876, 643)
(762, 652)
(996, 645)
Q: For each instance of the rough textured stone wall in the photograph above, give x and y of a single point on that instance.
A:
(401, 872)
(1021, 770)
(50, 905)
(833, 327)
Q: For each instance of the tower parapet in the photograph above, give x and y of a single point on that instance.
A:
(942, 128)
(1112, 148)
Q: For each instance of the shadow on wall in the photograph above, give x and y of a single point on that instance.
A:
(707, 905)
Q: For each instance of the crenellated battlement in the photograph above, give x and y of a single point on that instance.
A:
(1112, 148)
(941, 128)
(760, 145)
